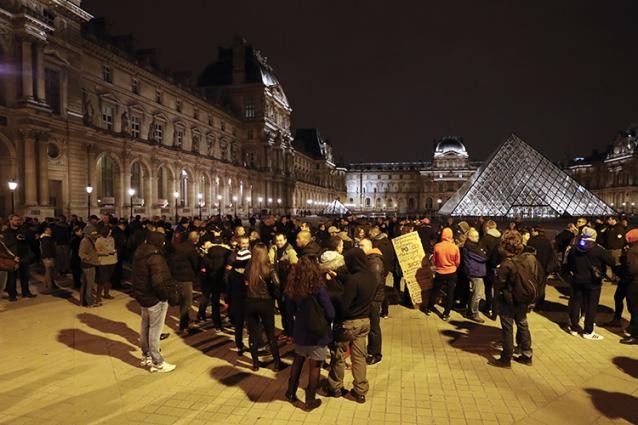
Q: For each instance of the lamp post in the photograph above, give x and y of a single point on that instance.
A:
(219, 205)
(13, 185)
(279, 205)
(176, 197)
(235, 204)
(131, 192)
(199, 204)
(269, 202)
(89, 190)
(438, 201)
(249, 204)
(260, 199)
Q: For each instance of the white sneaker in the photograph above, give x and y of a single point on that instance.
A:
(162, 368)
(572, 331)
(146, 361)
(593, 336)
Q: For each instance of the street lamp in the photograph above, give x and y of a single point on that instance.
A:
(89, 190)
(131, 192)
(13, 185)
(176, 196)
(260, 199)
(199, 204)
(235, 203)
(219, 205)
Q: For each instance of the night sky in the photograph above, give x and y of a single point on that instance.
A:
(383, 79)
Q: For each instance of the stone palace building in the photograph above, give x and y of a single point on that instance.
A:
(81, 110)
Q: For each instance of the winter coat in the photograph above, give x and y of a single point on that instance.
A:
(544, 251)
(282, 260)
(332, 261)
(615, 237)
(264, 288)
(105, 247)
(185, 262)
(506, 275)
(150, 275)
(629, 267)
(359, 288)
(447, 256)
(298, 310)
(387, 250)
(375, 258)
(583, 257)
(426, 234)
(474, 259)
(62, 233)
(563, 240)
(490, 243)
(47, 247)
(87, 252)
(215, 262)
(312, 248)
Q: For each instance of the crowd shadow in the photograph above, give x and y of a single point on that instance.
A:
(109, 326)
(258, 388)
(627, 365)
(615, 405)
(97, 345)
(473, 337)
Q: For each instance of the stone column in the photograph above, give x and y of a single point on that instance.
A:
(39, 73)
(30, 174)
(27, 71)
(43, 167)
(91, 167)
(64, 93)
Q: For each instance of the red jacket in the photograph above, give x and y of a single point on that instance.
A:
(447, 256)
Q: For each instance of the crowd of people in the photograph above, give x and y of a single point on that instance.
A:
(327, 280)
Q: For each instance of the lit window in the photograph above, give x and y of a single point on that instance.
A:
(158, 132)
(179, 137)
(135, 126)
(249, 109)
(107, 117)
(107, 73)
(135, 86)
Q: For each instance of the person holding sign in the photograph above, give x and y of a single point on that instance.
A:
(447, 259)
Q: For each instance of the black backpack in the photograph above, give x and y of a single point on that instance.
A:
(527, 282)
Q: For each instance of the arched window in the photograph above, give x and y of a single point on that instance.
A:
(162, 183)
(105, 165)
(183, 188)
(367, 202)
(411, 203)
(136, 179)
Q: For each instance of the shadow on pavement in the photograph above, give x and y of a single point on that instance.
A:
(478, 339)
(258, 389)
(627, 365)
(78, 339)
(109, 326)
(615, 405)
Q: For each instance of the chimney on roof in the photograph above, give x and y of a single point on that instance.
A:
(239, 60)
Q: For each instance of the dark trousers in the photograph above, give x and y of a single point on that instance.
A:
(185, 304)
(12, 286)
(385, 305)
(116, 278)
(237, 301)
(261, 311)
(286, 320)
(511, 314)
(211, 294)
(314, 373)
(76, 269)
(585, 298)
(374, 337)
(489, 291)
(619, 297)
(632, 306)
(440, 281)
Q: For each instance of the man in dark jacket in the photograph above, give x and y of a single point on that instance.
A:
(358, 292)
(375, 258)
(62, 237)
(185, 269)
(545, 256)
(15, 239)
(48, 254)
(216, 255)
(474, 264)
(586, 263)
(511, 309)
(490, 243)
(630, 279)
(306, 245)
(614, 242)
(151, 278)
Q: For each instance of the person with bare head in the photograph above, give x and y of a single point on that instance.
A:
(185, 266)
(235, 277)
(306, 245)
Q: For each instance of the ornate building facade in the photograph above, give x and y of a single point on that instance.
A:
(410, 187)
(612, 174)
(81, 109)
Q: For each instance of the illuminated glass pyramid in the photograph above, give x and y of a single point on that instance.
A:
(518, 181)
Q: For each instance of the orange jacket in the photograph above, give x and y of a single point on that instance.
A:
(447, 256)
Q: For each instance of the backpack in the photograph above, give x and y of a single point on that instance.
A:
(527, 282)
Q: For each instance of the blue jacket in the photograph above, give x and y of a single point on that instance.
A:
(474, 259)
(301, 334)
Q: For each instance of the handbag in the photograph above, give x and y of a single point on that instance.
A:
(316, 317)
(8, 264)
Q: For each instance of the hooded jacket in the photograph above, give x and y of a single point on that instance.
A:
(150, 275)
(185, 262)
(615, 238)
(544, 251)
(359, 287)
(490, 243)
(375, 258)
(506, 274)
(332, 261)
(215, 262)
(583, 257)
(312, 248)
(629, 268)
(387, 250)
(87, 252)
(474, 259)
(447, 257)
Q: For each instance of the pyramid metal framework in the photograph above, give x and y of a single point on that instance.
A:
(518, 181)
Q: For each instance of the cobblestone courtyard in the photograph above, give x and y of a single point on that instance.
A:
(63, 364)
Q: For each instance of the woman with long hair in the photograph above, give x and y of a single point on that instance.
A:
(309, 304)
(261, 281)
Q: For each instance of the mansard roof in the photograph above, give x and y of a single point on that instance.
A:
(309, 142)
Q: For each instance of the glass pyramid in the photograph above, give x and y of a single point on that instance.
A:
(518, 181)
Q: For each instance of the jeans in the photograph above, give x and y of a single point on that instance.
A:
(511, 314)
(358, 355)
(585, 298)
(261, 310)
(185, 304)
(49, 267)
(88, 286)
(62, 259)
(478, 294)
(151, 329)
(441, 280)
(374, 338)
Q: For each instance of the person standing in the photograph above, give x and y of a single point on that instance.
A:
(185, 269)
(261, 282)
(215, 258)
(353, 327)
(629, 263)
(7, 254)
(48, 255)
(490, 243)
(306, 245)
(62, 237)
(75, 262)
(151, 279)
(107, 258)
(586, 263)
(381, 241)
(375, 258)
(511, 307)
(474, 263)
(307, 298)
(89, 262)
(447, 259)
(614, 242)
(16, 240)
(283, 256)
(234, 275)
